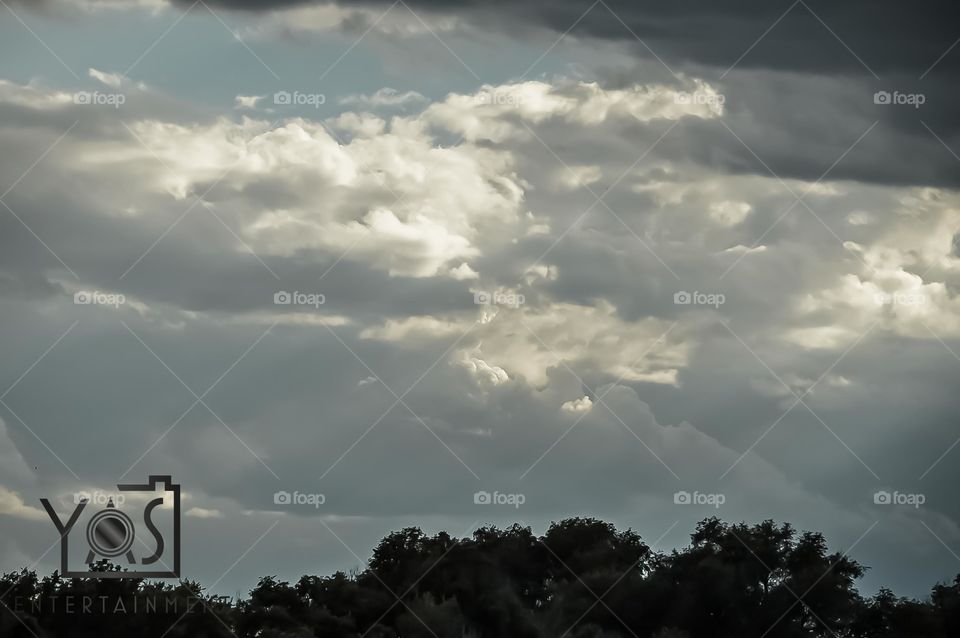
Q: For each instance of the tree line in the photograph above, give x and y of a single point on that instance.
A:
(583, 578)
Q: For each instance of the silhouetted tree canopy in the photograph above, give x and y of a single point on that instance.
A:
(582, 579)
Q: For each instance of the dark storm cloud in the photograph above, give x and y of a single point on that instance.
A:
(888, 36)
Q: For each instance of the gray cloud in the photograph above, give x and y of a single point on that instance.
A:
(887, 36)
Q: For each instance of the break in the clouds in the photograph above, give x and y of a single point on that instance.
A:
(633, 275)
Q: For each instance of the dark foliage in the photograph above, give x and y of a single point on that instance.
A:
(582, 579)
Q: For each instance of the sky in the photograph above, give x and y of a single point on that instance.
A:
(454, 264)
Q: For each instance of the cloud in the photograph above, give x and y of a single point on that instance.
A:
(13, 467)
(754, 34)
(385, 97)
(81, 7)
(399, 224)
(248, 101)
(113, 80)
(577, 406)
(489, 113)
(200, 512)
(303, 21)
(728, 213)
(11, 504)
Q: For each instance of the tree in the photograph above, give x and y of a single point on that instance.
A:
(583, 578)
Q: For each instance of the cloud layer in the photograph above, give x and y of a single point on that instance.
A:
(595, 291)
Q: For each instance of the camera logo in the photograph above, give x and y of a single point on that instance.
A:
(701, 98)
(97, 298)
(97, 497)
(96, 98)
(499, 98)
(698, 498)
(297, 298)
(286, 98)
(298, 498)
(916, 100)
(497, 498)
(498, 298)
(142, 539)
(898, 498)
(900, 299)
(697, 298)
